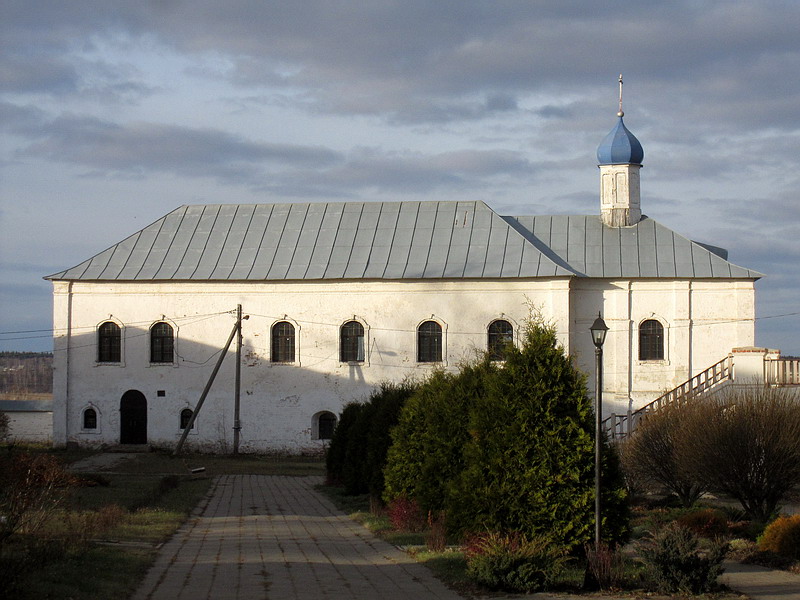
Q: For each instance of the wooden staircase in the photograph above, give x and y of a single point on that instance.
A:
(618, 426)
(777, 371)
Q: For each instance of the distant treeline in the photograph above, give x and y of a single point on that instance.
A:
(26, 372)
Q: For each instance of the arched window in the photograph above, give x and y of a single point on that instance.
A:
(186, 416)
(429, 342)
(283, 342)
(351, 342)
(90, 419)
(651, 340)
(326, 423)
(162, 340)
(501, 336)
(109, 343)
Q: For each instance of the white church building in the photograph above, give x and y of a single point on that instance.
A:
(342, 296)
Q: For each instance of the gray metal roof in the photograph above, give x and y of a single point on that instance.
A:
(647, 249)
(392, 240)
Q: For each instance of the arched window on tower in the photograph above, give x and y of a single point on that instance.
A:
(651, 340)
(162, 340)
(429, 342)
(109, 343)
(351, 342)
(282, 342)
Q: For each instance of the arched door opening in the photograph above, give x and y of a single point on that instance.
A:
(133, 418)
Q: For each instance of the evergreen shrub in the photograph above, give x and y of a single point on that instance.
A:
(529, 456)
(677, 565)
(356, 456)
(429, 439)
(337, 450)
(508, 447)
(782, 536)
(512, 562)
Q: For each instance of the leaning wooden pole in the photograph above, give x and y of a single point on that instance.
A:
(197, 408)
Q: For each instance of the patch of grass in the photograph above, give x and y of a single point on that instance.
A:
(450, 567)
(154, 506)
(97, 574)
(347, 504)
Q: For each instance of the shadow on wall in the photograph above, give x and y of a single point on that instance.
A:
(139, 391)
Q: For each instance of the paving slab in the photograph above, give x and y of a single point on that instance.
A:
(258, 536)
(270, 537)
(761, 583)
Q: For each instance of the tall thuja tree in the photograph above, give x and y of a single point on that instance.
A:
(428, 442)
(529, 458)
(387, 403)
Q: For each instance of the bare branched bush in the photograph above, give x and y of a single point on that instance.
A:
(745, 442)
(649, 457)
(606, 564)
(4, 421)
(436, 538)
(31, 488)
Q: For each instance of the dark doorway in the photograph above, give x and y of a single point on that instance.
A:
(133, 418)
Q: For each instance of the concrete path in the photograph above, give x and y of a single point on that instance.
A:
(761, 583)
(258, 536)
(101, 462)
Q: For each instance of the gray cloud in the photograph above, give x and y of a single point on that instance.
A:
(417, 61)
(148, 147)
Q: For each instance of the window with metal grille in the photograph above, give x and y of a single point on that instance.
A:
(326, 423)
(186, 416)
(90, 419)
(162, 340)
(501, 336)
(283, 342)
(429, 342)
(351, 346)
(109, 343)
(651, 340)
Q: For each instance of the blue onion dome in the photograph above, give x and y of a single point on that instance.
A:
(620, 147)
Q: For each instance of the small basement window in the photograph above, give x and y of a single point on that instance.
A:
(186, 416)
(90, 419)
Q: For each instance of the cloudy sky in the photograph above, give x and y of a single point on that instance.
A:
(116, 112)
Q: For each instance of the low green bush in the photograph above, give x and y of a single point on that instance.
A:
(512, 562)
(782, 536)
(677, 565)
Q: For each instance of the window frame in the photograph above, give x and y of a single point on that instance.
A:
(275, 351)
(84, 422)
(317, 424)
(425, 347)
(495, 347)
(99, 358)
(97, 429)
(181, 423)
(162, 352)
(350, 351)
(650, 351)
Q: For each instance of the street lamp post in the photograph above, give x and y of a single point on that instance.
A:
(599, 330)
